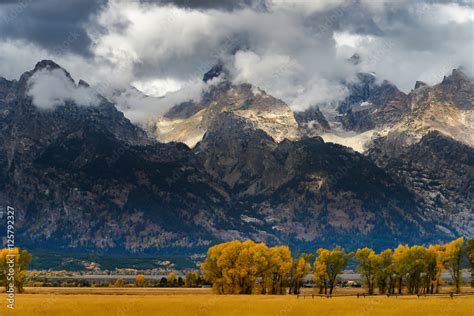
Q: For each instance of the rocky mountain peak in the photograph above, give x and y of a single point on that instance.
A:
(420, 84)
(457, 76)
(458, 83)
(50, 65)
(42, 65)
(371, 104)
(215, 72)
(46, 64)
(458, 89)
(187, 122)
(65, 118)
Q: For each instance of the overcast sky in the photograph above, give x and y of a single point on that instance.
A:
(295, 50)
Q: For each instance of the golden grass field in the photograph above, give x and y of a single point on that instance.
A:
(149, 302)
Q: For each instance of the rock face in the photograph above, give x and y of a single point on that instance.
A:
(440, 171)
(447, 107)
(188, 122)
(312, 122)
(371, 105)
(430, 150)
(308, 190)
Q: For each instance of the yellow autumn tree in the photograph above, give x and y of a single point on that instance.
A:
(278, 270)
(413, 263)
(384, 274)
(399, 269)
(119, 283)
(171, 279)
(319, 276)
(140, 280)
(234, 267)
(335, 261)
(434, 268)
(452, 261)
(300, 268)
(212, 269)
(191, 279)
(367, 266)
(251, 264)
(470, 257)
(14, 262)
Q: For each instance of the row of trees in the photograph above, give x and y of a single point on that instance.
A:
(192, 279)
(13, 266)
(418, 268)
(245, 267)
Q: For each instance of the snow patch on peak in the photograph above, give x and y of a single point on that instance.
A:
(357, 142)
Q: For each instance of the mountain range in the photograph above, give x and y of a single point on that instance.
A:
(388, 168)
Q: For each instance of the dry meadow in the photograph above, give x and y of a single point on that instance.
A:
(148, 302)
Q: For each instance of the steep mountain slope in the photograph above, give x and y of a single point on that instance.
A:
(309, 190)
(431, 150)
(85, 177)
(440, 171)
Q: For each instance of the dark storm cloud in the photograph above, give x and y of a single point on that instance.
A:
(56, 25)
(350, 16)
(263, 4)
(295, 50)
(212, 4)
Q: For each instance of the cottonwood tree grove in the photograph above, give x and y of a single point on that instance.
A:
(247, 267)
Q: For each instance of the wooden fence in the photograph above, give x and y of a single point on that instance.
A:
(363, 295)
